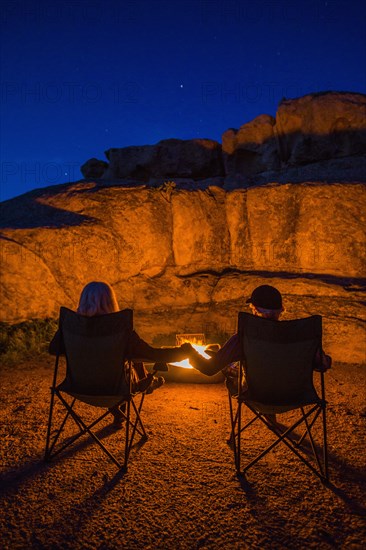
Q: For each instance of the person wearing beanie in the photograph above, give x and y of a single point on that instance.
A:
(265, 301)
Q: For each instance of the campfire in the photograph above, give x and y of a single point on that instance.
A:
(198, 342)
(182, 371)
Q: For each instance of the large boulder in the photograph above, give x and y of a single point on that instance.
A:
(315, 128)
(94, 168)
(252, 149)
(130, 162)
(319, 126)
(184, 260)
(196, 159)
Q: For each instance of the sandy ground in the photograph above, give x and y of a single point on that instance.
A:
(180, 491)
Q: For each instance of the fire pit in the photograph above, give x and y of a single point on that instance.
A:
(182, 371)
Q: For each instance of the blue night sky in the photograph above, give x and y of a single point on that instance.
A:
(80, 77)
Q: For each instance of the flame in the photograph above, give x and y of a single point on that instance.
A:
(185, 364)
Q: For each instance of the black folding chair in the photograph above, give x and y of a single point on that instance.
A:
(97, 374)
(276, 376)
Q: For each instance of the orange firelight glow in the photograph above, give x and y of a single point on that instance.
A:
(197, 341)
(185, 364)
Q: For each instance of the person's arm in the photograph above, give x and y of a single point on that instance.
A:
(139, 350)
(323, 362)
(56, 346)
(229, 353)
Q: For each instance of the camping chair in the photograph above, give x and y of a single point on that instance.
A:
(96, 374)
(276, 376)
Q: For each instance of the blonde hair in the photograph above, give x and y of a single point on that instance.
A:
(97, 299)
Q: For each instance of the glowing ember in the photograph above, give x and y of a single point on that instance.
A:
(197, 341)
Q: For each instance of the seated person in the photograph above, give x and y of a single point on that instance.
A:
(98, 299)
(265, 301)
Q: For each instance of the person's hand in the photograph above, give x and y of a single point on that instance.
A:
(186, 348)
(323, 362)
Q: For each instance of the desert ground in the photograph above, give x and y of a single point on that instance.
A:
(180, 490)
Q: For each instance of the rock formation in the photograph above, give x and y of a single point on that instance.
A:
(93, 168)
(185, 251)
(252, 149)
(196, 158)
(184, 260)
(321, 126)
(313, 131)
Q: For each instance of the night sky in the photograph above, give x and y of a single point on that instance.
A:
(80, 77)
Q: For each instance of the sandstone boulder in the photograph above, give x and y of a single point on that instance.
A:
(252, 149)
(324, 125)
(93, 168)
(130, 162)
(196, 158)
(312, 129)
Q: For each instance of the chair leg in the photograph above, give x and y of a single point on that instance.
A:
(52, 401)
(127, 448)
(325, 441)
(140, 430)
(322, 468)
(237, 429)
(239, 438)
(304, 460)
(50, 445)
(83, 429)
(284, 438)
(87, 429)
(132, 426)
(138, 417)
(59, 431)
(311, 439)
(136, 422)
(324, 422)
(232, 419)
(48, 437)
(101, 445)
(311, 423)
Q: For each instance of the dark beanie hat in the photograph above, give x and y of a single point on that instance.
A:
(266, 296)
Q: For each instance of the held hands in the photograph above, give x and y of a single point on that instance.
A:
(187, 349)
(191, 354)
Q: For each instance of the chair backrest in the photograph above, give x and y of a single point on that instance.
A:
(279, 358)
(95, 349)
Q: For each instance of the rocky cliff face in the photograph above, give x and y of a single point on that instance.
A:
(322, 134)
(185, 253)
(184, 260)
